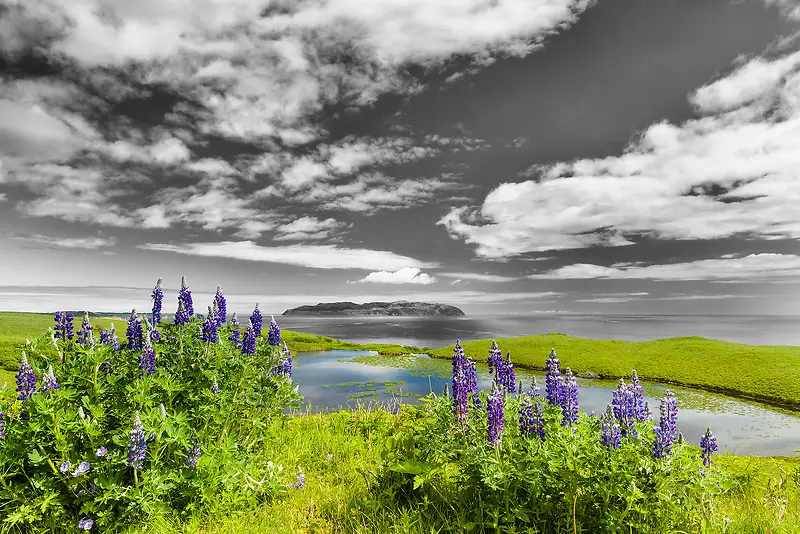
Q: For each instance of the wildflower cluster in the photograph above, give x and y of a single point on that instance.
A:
(221, 307)
(667, 429)
(256, 321)
(465, 383)
(274, 334)
(112, 423)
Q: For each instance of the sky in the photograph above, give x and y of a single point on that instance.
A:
(502, 156)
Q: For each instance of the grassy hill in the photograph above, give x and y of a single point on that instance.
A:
(770, 373)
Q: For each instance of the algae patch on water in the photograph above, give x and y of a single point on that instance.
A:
(416, 364)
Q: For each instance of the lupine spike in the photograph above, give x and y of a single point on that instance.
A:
(222, 307)
(26, 379)
(192, 455)
(301, 479)
(50, 381)
(158, 302)
(610, 430)
(85, 336)
(553, 379)
(495, 357)
(665, 432)
(495, 416)
(569, 408)
(209, 331)
(256, 320)
(274, 334)
(147, 359)
(638, 396)
(134, 331)
(459, 383)
(136, 444)
(214, 386)
(236, 337)
(2, 425)
(181, 317)
(708, 445)
(249, 340)
(234, 320)
(185, 296)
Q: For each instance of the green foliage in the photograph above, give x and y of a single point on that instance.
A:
(94, 409)
(765, 372)
(300, 342)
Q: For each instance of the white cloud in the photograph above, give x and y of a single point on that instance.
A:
(760, 267)
(167, 151)
(731, 172)
(313, 256)
(91, 243)
(407, 275)
(482, 277)
(308, 228)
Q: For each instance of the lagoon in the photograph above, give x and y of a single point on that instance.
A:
(342, 379)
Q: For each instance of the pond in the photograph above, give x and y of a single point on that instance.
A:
(342, 379)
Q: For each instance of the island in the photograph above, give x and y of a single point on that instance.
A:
(395, 309)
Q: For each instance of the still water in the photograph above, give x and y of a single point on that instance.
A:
(334, 379)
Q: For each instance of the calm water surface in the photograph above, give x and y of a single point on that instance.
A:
(329, 380)
(441, 331)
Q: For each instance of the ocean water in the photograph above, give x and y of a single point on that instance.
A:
(441, 331)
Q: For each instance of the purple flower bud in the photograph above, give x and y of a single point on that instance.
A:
(50, 381)
(569, 407)
(256, 320)
(101, 452)
(185, 297)
(234, 320)
(2, 425)
(274, 334)
(158, 302)
(192, 455)
(64, 325)
(136, 444)
(26, 379)
(85, 335)
(667, 428)
(553, 379)
(222, 307)
(214, 386)
(460, 383)
(708, 445)
(147, 359)
(181, 317)
(610, 435)
(236, 337)
(495, 357)
(82, 468)
(85, 524)
(494, 412)
(249, 340)
(209, 332)
(65, 466)
(134, 332)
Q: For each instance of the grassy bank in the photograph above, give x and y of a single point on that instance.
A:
(341, 493)
(769, 373)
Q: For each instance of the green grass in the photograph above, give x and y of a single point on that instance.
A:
(300, 342)
(769, 373)
(338, 496)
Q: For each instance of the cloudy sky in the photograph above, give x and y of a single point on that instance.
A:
(618, 156)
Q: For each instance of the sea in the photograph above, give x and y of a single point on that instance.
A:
(433, 332)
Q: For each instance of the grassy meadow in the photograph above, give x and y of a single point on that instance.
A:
(762, 372)
(416, 471)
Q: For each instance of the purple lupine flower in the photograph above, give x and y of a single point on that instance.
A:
(134, 331)
(192, 455)
(274, 334)
(181, 317)
(85, 524)
(214, 386)
(236, 337)
(249, 340)
(623, 402)
(101, 452)
(50, 381)
(222, 307)
(64, 325)
(109, 338)
(2, 425)
(569, 408)
(459, 383)
(65, 466)
(553, 379)
(85, 335)
(287, 360)
(638, 396)
(256, 320)
(610, 435)
(667, 427)
(533, 392)
(147, 358)
(495, 416)
(301, 479)
(538, 420)
(82, 468)
(26, 379)
(472, 377)
(708, 444)
(495, 357)
(526, 420)
(209, 332)
(506, 377)
(234, 320)
(185, 296)
(648, 414)
(158, 302)
(136, 444)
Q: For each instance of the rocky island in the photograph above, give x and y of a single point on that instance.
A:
(398, 308)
